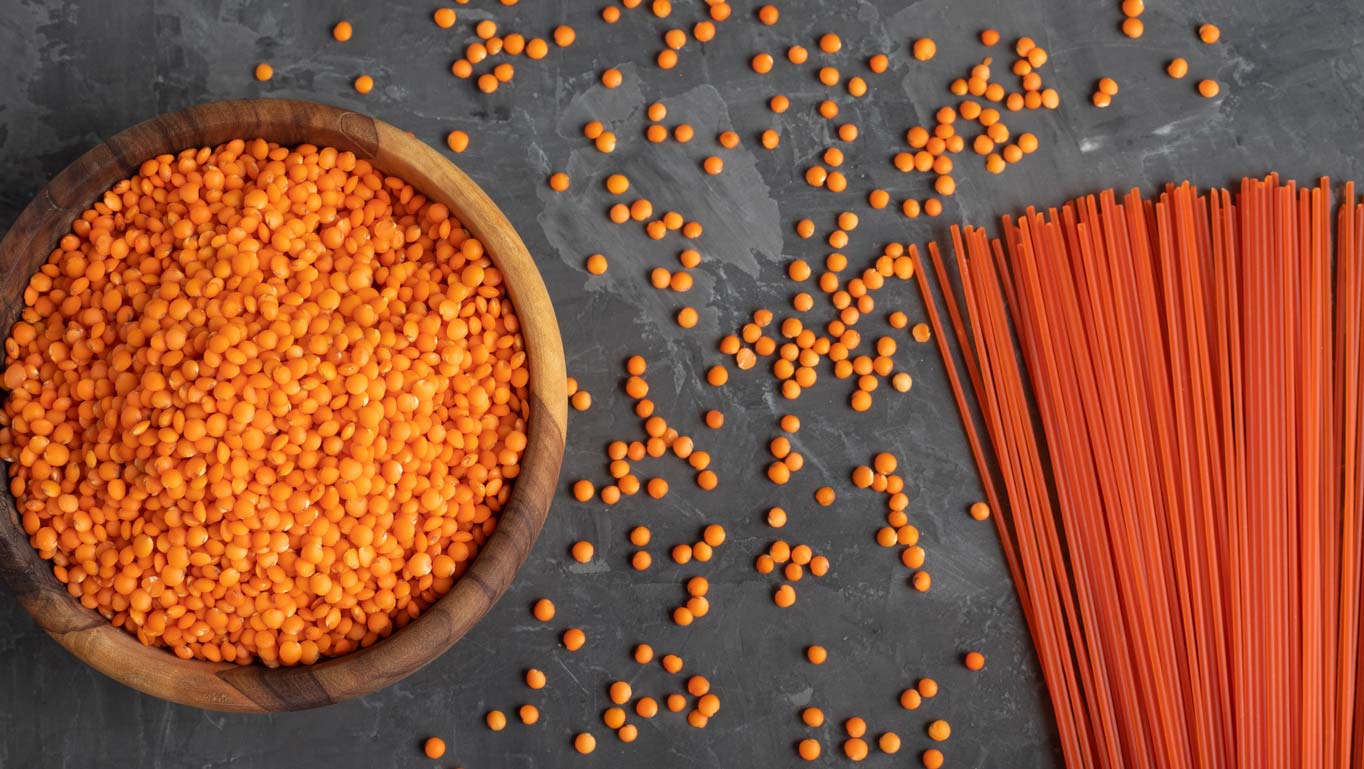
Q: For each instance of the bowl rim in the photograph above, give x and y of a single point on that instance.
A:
(257, 688)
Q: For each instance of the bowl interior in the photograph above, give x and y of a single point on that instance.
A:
(224, 686)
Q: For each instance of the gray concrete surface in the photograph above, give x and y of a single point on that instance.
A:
(74, 72)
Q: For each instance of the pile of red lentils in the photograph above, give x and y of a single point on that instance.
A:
(265, 403)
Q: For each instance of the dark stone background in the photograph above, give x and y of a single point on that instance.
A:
(72, 73)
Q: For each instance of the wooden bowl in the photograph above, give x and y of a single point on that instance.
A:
(256, 688)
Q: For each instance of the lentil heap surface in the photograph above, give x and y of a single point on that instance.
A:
(265, 404)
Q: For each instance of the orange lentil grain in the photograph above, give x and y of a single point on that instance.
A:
(582, 551)
(543, 610)
(708, 705)
(910, 699)
(457, 141)
(702, 552)
(584, 490)
(784, 597)
(855, 749)
(573, 639)
(675, 39)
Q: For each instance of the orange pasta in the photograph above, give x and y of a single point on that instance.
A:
(1170, 389)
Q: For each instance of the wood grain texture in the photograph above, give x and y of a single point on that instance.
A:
(255, 688)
